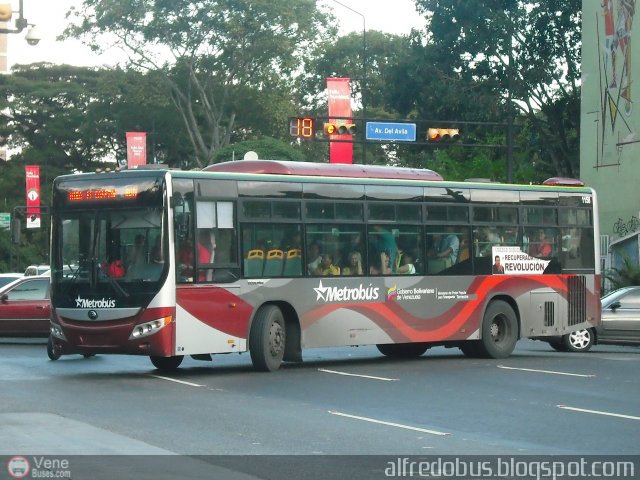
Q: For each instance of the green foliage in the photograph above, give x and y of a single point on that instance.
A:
(266, 148)
(530, 49)
(33, 247)
(627, 275)
(223, 52)
(69, 118)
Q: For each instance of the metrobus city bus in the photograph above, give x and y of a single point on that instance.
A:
(272, 257)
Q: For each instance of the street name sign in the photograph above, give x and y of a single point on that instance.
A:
(397, 132)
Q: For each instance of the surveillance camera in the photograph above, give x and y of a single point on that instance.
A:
(33, 36)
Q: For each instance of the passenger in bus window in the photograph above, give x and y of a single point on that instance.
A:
(185, 261)
(447, 247)
(206, 246)
(354, 267)
(206, 253)
(488, 239)
(542, 247)
(384, 241)
(380, 264)
(314, 258)
(326, 267)
(406, 265)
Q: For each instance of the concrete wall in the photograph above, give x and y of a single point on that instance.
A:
(610, 113)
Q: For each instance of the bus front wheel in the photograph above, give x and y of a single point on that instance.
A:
(267, 339)
(166, 363)
(499, 330)
(51, 351)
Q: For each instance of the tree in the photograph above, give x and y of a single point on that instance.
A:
(68, 118)
(528, 49)
(212, 54)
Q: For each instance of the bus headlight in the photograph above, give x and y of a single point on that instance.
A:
(149, 328)
(56, 331)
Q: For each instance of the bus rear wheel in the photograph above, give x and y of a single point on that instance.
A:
(267, 339)
(402, 350)
(499, 330)
(167, 363)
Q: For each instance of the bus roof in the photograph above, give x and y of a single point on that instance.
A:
(279, 167)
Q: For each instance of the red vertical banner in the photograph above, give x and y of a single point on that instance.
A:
(32, 175)
(136, 149)
(339, 100)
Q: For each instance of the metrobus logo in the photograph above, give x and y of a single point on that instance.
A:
(102, 303)
(347, 294)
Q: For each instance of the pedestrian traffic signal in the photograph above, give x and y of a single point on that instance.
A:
(443, 134)
(345, 128)
(5, 12)
(302, 127)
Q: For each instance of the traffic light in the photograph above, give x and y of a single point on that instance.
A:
(5, 12)
(302, 127)
(443, 134)
(343, 128)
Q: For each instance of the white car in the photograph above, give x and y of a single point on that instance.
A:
(620, 324)
(35, 270)
(6, 278)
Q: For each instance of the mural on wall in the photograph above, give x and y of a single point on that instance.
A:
(622, 228)
(615, 70)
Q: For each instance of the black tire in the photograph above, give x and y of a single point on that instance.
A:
(167, 363)
(499, 330)
(267, 339)
(51, 352)
(403, 350)
(471, 348)
(578, 341)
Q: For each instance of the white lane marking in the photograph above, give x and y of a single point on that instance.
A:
(177, 381)
(552, 372)
(356, 375)
(597, 412)
(390, 424)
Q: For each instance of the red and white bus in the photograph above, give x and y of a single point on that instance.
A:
(274, 257)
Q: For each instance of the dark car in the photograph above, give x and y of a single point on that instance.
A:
(620, 324)
(25, 307)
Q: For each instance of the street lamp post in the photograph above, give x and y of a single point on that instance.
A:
(20, 23)
(364, 77)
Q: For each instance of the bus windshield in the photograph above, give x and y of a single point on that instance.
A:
(122, 252)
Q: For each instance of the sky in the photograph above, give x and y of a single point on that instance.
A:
(391, 16)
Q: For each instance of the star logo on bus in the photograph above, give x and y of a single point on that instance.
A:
(79, 301)
(322, 292)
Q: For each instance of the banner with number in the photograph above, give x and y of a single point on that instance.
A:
(32, 175)
(136, 149)
(339, 100)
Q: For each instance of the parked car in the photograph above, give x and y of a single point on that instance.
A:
(6, 278)
(35, 270)
(25, 307)
(620, 324)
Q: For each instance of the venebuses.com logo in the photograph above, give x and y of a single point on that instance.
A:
(38, 467)
(18, 467)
